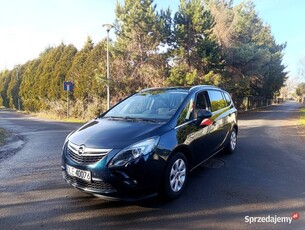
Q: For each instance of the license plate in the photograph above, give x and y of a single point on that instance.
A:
(81, 174)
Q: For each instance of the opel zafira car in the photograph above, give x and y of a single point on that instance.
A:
(148, 143)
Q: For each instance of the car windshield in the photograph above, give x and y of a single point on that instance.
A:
(154, 105)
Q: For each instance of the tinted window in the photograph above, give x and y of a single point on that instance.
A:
(217, 100)
(201, 102)
(228, 98)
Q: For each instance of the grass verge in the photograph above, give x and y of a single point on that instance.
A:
(302, 116)
(54, 117)
(3, 136)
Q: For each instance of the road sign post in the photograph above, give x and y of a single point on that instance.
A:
(68, 86)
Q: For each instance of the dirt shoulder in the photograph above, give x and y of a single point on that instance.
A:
(301, 122)
(10, 143)
(3, 136)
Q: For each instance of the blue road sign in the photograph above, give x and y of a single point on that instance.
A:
(68, 86)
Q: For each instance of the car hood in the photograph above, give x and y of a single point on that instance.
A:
(111, 134)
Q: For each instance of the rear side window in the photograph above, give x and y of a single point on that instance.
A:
(217, 100)
(228, 98)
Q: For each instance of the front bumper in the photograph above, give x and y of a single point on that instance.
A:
(105, 190)
(138, 180)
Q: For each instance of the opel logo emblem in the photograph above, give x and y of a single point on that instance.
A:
(81, 150)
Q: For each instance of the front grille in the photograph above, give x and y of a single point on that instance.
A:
(95, 186)
(84, 155)
(83, 159)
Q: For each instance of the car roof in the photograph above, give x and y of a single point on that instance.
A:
(183, 88)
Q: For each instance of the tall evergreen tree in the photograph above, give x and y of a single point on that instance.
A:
(28, 91)
(139, 36)
(253, 59)
(13, 87)
(196, 54)
(65, 55)
(77, 73)
(5, 77)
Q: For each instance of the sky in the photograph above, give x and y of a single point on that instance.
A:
(28, 27)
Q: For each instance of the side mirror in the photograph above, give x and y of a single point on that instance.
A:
(203, 115)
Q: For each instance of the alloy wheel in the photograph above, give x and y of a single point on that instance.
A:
(177, 175)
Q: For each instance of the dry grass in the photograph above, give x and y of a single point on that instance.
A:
(51, 116)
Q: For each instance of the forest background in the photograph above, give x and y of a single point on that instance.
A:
(204, 42)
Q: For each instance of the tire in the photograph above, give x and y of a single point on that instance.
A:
(232, 141)
(176, 176)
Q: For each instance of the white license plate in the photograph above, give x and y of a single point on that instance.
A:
(81, 174)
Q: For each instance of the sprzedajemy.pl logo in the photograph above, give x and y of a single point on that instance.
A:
(272, 219)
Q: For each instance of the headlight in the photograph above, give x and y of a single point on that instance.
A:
(134, 151)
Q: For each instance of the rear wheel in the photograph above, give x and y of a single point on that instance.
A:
(176, 176)
(232, 142)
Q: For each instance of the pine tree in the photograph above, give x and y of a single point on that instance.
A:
(196, 56)
(252, 57)
(139, 62)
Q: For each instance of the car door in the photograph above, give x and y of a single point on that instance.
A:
(189, 132)
(203, 143)
(220, 123)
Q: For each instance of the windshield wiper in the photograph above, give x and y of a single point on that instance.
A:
(131, 119)
(114, 118)
(141, 119)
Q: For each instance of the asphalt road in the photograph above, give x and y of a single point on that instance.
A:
(263, 178)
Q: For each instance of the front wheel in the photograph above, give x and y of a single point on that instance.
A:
(176, 176)
(232, 141)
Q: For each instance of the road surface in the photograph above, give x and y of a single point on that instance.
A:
(263, 178)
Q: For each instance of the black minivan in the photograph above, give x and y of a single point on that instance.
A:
(149, 142)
